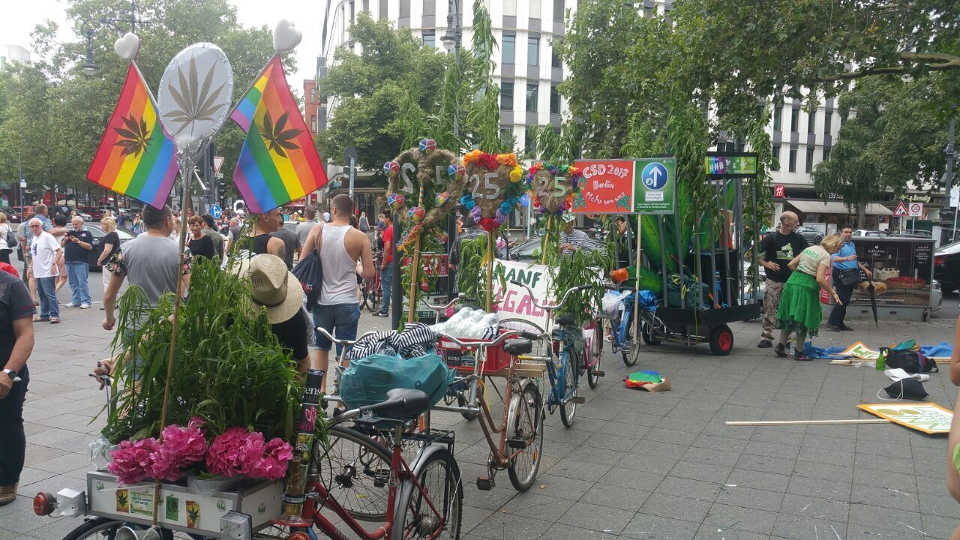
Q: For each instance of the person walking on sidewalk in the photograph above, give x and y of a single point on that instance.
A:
(77, 244)
(776, 250)
(341, 246)
(846, 275)
(46, 253)
(386, 267)
(799, 311)
(16, 344)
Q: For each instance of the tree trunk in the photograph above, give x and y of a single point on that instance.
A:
(862, 215)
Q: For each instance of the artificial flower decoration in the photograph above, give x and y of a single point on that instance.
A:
(391, 168)
(510, 160)
(441, 198)
(427, 145)
(516, 174)
(549, 194)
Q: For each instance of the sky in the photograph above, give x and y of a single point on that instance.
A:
(20, 18)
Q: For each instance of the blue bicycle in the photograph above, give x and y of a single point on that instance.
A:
(570, 355)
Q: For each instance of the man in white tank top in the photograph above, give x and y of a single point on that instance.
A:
(341, 246)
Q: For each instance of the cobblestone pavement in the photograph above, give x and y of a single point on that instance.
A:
(635, 465)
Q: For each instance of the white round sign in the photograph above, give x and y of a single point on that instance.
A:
(195, 93)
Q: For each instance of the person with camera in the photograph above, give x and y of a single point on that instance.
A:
(77, 244)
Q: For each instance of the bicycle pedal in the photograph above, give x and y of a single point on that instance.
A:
(485, 484)
(599, 373)
(517, 444)
(579, 400)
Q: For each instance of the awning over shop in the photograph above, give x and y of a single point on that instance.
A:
(837, 207)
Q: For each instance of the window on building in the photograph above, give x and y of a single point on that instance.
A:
(776, 157)
(809, 166)
(533, 50)
(366, 5)
(649, 8)
(530, 140)
(506, 96)
(384, 9)
(404, 9)
(793, 160)
(509, 48)
(510, 8)
(777, 117)
(812, 122)
(535, 9)
(506, 134)
(827, 121)
(794, 119)
(555, 60)
(429, 8)
(558, 11)
(532, 97)
(313, 122)
(826, 153)
(554, 100)
(430, 38)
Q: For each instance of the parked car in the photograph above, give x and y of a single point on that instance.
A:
(811, 235)
(98, 235)
(946, 267)
(864, 233)
(529, 250)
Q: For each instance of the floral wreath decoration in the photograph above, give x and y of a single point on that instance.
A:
(509, 178)
(546, 201)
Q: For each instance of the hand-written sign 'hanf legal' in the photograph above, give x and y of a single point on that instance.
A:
(607, 186)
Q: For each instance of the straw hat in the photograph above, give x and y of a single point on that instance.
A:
(273, 286)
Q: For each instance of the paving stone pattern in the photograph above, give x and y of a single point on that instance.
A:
(635, 465)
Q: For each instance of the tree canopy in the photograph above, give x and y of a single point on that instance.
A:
(54, 114)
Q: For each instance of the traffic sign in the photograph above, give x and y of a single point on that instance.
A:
(779, 191)
(901, 210)
(216, 211)
(655, 192)
(916, 209)
(217, 163)
(955, 197)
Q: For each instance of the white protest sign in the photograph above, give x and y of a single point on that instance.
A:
(515, 302)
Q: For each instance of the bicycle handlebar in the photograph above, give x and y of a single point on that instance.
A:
(344, 342)
(444, 307)
(474, 344)
(553, 307)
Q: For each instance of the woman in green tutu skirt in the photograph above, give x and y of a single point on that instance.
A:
(799, 311)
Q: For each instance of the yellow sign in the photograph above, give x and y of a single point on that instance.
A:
(861, 351)
(929, 418)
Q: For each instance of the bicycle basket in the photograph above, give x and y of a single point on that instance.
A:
(367, 380)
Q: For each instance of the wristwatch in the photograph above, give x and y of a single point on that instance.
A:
(10, 373)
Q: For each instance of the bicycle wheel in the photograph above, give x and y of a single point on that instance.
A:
(568, 405)
(355, 469)
(413, 517)
(100, 527)
(592, 360)
(526, 426)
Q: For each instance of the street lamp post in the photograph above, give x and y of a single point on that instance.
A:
(452, 37)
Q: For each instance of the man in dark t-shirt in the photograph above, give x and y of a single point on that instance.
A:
(16, 344)
(776, 250)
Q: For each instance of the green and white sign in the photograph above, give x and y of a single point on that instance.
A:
(655, 188)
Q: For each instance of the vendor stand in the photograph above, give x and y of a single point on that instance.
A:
(904, 287)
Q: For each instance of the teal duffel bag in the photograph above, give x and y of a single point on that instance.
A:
(367, 380)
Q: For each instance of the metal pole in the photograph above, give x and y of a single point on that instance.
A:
(353, 174)
(396, 287)
(738, 215)
(724, 240)
(948, 174)
(699, 265)
(756, 242)
(663, 258)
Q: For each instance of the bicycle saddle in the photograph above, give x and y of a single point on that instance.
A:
(518, 346)
(402, 404)
(566, 320)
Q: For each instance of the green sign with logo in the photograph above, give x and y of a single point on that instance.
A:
(719, 165)
(655, 186)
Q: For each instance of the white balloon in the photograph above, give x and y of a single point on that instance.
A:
(127, 46)
(285, 36)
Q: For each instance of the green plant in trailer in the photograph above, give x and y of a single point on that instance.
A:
(228, 368)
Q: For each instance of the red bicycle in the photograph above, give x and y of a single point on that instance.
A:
(371, 290)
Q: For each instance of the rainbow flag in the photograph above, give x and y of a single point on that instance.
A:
(135, 158)
(278, 162)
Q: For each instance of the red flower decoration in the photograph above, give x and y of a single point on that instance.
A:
(489, 224)
(488, 162)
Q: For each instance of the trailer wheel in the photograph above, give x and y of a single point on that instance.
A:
(648, 334)
(721, 340)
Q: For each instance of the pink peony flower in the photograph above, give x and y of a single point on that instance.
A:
(239, 452)
(133, 460)
(181, 447)
(273, 464)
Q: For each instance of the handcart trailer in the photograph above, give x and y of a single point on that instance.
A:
(723, 262)
(115, 507)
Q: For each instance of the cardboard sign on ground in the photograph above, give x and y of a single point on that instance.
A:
(928, 418)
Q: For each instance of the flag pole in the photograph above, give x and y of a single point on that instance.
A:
(153, 99)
